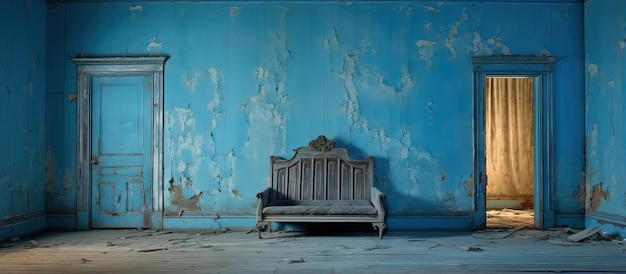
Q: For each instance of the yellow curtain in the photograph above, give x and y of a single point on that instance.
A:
(509, 136)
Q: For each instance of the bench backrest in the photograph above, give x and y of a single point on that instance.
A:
(321, 175)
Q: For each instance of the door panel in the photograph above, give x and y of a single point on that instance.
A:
(121, 168)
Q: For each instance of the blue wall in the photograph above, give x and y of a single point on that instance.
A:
(22, 102)
(605, 38)
(246, 80)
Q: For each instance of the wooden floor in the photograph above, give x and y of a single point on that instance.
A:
(131, 251)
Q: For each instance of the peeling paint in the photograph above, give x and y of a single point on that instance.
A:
(237, 193)
(487, 47)
(223, 174)
(540, 50)
(190, 81)
(186, 146)
(214, 106)
(233, 12)
(181, 202)
(135, 8)
(446, 199)
(592, 70)
(434, 10)
(429, 109)
(266, 113)
(454, 31)
(407, 10)
(425, 51)
(598, 194)
(154, 48)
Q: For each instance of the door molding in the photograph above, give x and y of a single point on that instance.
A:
(541, 69)
(87, 68)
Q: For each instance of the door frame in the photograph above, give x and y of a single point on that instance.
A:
(87, 68)
(541, 69)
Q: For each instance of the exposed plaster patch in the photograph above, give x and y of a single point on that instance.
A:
(404, 86)
(407, 10)
(135, 8)
(428, 26)
(222, 173)
(592, 71)
(366, 43)
(454, 31)
(429, 109)
(237, 193)
(181, 202)
(154, 48)
(214, 106)
(433, 10)
(540, 50)
(234, 12)
(190, 80)
(446, 199)
(266, 113)
(266, 122)
(416, 164)
(348, 76)
(597, 195)
(186, 147)
(487, 47)
(425, 51)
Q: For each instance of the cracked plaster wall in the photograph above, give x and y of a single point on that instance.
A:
(22, 98)
(393, 80)
(606, 157)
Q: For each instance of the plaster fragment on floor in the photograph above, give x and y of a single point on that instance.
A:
(584, 234)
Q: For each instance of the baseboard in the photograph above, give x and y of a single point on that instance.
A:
(22, 225)
(244, 219)
(430, 220)
(609, 223)
(62, 220)
(573, 219)
(208, 219)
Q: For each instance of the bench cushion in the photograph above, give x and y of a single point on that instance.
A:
(320, 207)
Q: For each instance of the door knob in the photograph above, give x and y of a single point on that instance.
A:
(94, 160)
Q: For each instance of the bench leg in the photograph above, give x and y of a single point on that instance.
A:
(380, 227)
(262, 226)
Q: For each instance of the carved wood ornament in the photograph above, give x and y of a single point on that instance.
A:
(322, 144)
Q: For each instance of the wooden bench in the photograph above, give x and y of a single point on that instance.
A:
(321, 184)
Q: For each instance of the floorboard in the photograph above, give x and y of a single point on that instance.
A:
(225, 251)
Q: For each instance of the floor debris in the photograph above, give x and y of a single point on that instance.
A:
(152, 250)
(507, 250)
(460, 247)
(584, 234)
(510, 218)
(294, 260)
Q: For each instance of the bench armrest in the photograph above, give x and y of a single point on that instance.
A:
(377, 201)
(264, 199)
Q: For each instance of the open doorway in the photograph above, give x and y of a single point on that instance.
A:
(540, 69)
(509, 151)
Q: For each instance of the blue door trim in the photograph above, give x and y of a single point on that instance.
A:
(541, 69)
(87, 68)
